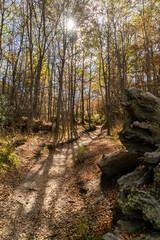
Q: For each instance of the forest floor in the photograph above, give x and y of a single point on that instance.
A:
(55, 194)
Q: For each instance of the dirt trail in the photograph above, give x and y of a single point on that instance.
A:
(41, 201)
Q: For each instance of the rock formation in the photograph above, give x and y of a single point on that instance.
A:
(141, 132)
(120, 161)
(139, 190)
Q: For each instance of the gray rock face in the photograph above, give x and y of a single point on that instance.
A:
(152, 158)
(110, 236)
(145, 204)
(128, 226)
(117, 162)
(156, 185)
(142, 106)
(141, 133)
(136, 203)
(131, 179)
(140, 176)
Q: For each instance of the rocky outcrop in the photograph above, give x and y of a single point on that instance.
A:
(141, 132)
(120, 161)
(142, 106)
(142, 204)
(139, 191)
(134, 179)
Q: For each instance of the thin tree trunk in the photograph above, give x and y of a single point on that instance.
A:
(90, 83)
(82, 91)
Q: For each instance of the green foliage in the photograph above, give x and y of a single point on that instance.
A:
(84, 231)
(93, 237)
(115, 139)
(80, 153)
(81, 228)
(7, 157)
(98, 119)
(97, 172)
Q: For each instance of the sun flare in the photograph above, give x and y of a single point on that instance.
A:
(70, 24)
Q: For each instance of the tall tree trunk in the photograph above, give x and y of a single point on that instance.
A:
(90, 83)
(72, 93)
(82, 90)
(37, 86)
(147, 52)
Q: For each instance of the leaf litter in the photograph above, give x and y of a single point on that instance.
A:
(51, 196)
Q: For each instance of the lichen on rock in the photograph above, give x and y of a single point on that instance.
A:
(141, 133)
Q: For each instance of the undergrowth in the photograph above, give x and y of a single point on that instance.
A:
(7, 157)
(83, 229)
(80, 153)
(116, 139)
(115, 134)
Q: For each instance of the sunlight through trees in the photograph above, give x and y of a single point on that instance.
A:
(69, 61)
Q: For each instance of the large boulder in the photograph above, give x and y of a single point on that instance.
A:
(141, 132)
(142, 106)
(120, 161)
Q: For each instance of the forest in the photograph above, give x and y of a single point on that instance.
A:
(79, 119)
(70, 61)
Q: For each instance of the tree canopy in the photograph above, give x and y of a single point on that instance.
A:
(69, 61)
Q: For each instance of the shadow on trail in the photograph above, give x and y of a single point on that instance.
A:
(41, 205)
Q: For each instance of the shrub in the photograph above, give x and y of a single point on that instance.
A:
(80, 153)
(7, 157)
